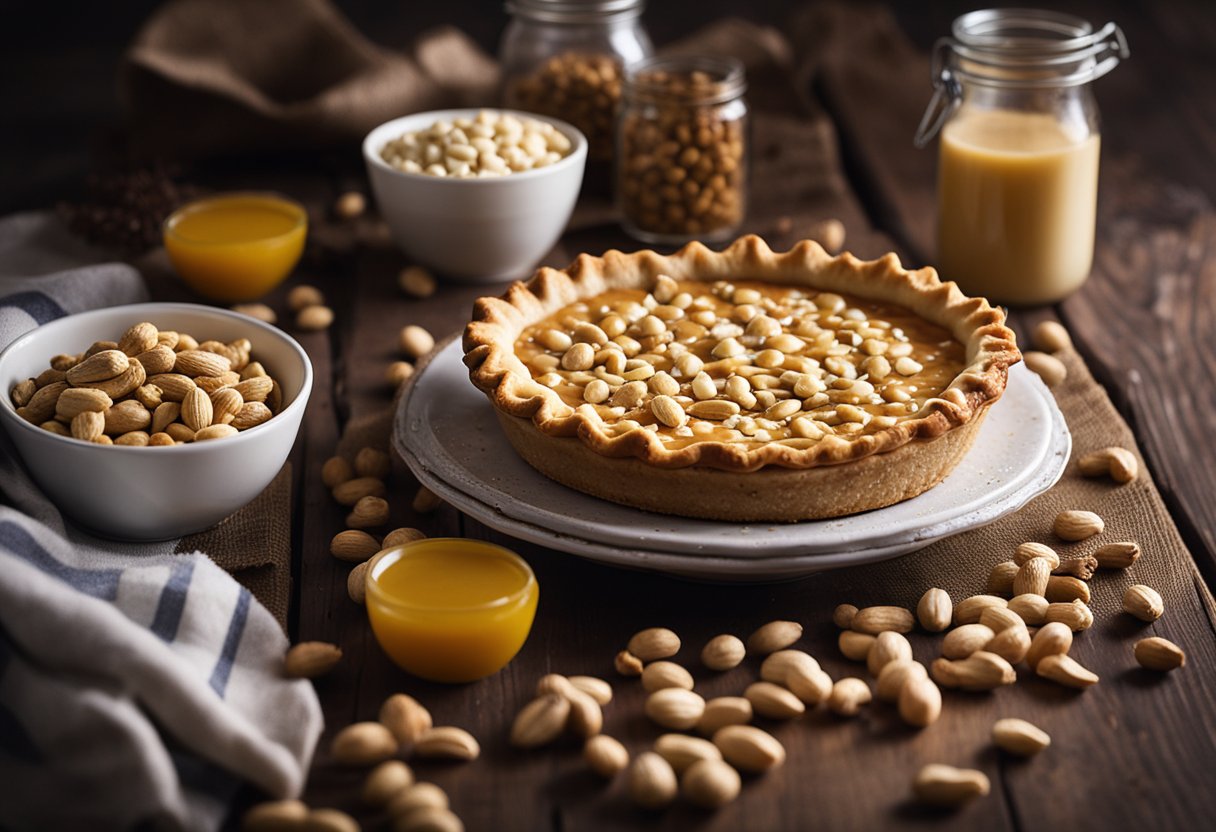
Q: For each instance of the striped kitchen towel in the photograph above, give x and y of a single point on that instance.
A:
(138, 688)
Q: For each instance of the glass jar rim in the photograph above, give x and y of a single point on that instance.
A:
(994, 47)
(728, 73)
(386, 558)
(1016, 49)
(575, 11)
(284, 204)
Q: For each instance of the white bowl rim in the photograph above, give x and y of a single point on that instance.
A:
(298, 403)
(372, 155)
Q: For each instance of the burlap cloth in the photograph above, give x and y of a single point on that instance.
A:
(205, 77)
(257, 73)
(254, 545)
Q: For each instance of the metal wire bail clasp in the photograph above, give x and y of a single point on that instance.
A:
(947, 94)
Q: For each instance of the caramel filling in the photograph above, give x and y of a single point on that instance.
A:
(743, 362)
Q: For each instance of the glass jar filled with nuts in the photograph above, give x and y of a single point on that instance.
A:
(682, 155)
(565, 59)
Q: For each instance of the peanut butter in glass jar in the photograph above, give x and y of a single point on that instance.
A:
(1018, 157)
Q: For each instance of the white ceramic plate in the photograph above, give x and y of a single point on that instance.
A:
(449, 436)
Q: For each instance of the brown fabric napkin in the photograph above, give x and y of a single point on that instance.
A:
(209, 76)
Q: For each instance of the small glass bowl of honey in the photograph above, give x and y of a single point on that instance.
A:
(236, 247)
(451, 609)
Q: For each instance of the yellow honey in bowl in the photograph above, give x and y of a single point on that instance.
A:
(450, 609)
(236, 247)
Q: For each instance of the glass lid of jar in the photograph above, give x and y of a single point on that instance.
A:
(1016, 49)
(575, 11)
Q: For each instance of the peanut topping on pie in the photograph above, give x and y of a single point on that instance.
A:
(743, 362)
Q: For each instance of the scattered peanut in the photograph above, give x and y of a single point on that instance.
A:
(405, 717)
(314, 318)
(723, 652)
(773, 701)
(416, 341)
(855, 646)
(1156, 653)
(386, 781)
(356, 584)
(842, 616)
(1143, 602)
(652, 781)
(710, 783)
(920, 702)
(654, 643)
(350, 205)
(627, 664)
(970, 610)
(749, 748)
(1077, 525)
(774, 636)
(310, 659)
(416, 282)
(1047, 367)
(888, 647)
(675, 708)
(1066, 671)
(605, 755)
(723, 711)
(259, 311)
(363, 744)
(353, 546)
(1117, 463)
(965, 639)
(941, 785)
(874, 620)
(447, 742)
(1017, 736)
(1051, 336)
(541, 721)
(848, 695)
(1117, 555)
(275, 815)
(1052, 639)
(935, 610)
(398, 372)
(681, 750)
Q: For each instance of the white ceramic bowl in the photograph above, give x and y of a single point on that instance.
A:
(478, 229)
(133, 493)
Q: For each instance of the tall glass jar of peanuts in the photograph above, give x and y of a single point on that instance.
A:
(565, 58)
(682, 156)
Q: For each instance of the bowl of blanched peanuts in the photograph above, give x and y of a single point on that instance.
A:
(477, 195)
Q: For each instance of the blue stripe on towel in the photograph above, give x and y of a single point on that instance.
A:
(100, 583)
(15, 742)
(38, 306)
(236, 628)
(173, 600)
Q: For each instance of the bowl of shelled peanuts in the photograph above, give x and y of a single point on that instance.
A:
(154, 420)
(477, 195)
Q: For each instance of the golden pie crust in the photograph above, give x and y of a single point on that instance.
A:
(717, 472)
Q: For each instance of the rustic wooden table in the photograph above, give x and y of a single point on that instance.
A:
(1129, 754)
